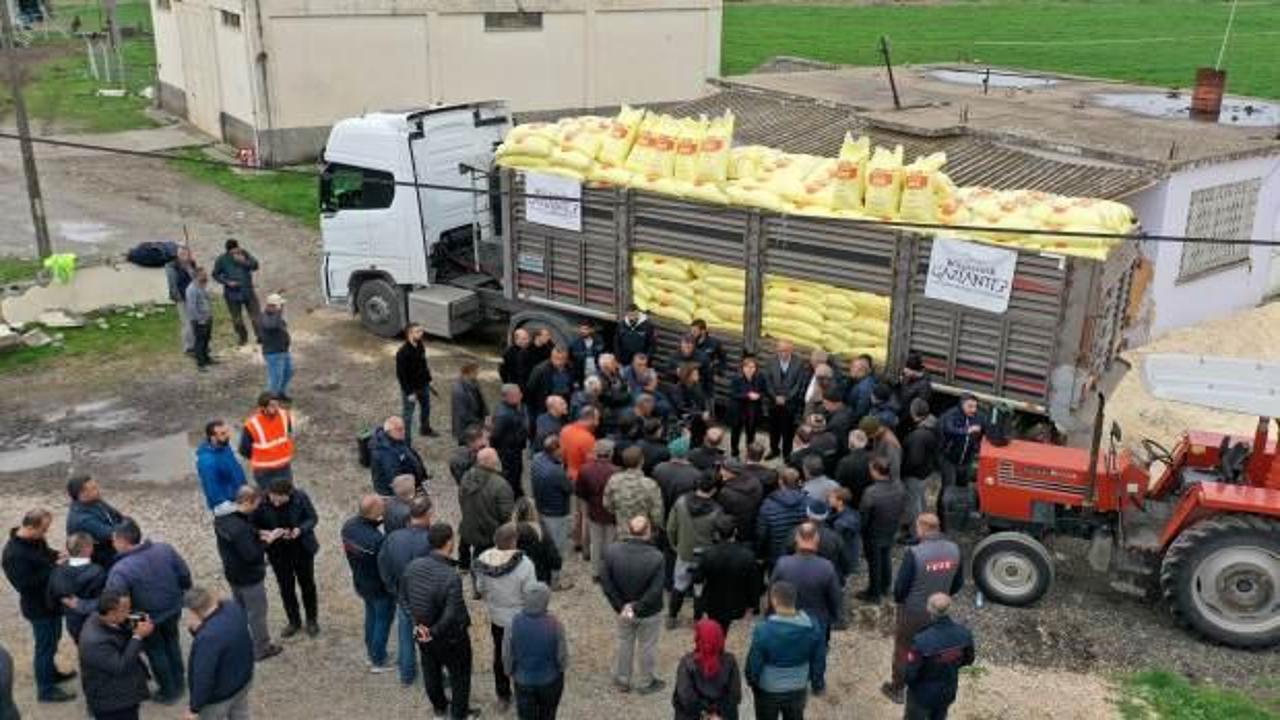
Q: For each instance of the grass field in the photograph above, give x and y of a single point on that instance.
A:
(1159, 43)
(293, 193)
(14, 269)
(1161, 695)
(61, 94)
(124, 336)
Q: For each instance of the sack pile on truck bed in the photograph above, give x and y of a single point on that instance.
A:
(693, 158)
(810, 314)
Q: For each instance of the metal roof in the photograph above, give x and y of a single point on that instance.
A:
(806, 126)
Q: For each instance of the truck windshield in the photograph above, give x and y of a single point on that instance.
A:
(346, 187)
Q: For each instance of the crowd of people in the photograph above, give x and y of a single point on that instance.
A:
(654, 477)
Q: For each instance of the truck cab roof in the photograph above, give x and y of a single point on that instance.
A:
(377, 139)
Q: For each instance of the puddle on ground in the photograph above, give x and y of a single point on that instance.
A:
(164, 460)
(33, 457)
(993, 79)
(96, 415)
(89, 233)
(1236, 111)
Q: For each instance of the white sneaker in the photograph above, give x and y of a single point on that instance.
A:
(380, 669)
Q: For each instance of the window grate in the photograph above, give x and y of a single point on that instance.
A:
(230, 19)
(163, 5)
(1222, 211)
(512, 21)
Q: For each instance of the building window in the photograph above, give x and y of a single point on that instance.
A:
(512, 21)
(345, 187)
(162, 5)
(231, 20)
(1222, 211)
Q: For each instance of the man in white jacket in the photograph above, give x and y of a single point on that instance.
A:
(504, 578)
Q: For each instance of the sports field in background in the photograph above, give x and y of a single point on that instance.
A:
(1158, 42)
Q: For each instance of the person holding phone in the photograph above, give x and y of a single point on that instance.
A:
(111, 666)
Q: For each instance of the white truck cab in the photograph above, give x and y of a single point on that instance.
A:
(400, 242)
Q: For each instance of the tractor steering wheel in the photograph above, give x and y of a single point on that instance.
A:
(1156, 451)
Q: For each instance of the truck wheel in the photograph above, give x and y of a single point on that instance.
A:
(381, 307)
(1012, 568)
(562, 330)
(1221, 578)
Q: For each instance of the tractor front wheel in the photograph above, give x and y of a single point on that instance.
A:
(1221, 578)
(1012, 568)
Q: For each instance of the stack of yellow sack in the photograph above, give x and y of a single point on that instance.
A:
(693, 158)
(682, 290)
(816, 315)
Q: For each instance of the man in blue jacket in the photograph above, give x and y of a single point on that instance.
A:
(222, 656)
(221, 475)
(552, 495)
(361, 540)
(93, 516)
(780, 513)
(398, 550)
(934, 661)
(155, 577)
(787, 653)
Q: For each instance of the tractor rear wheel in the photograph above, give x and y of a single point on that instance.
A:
(1221, 578)
(1012, 568)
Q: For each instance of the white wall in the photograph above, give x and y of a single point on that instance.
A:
(652, 55)
(168, 46)
(1163, 211)
(235, 70)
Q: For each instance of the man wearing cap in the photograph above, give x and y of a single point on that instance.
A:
(914, 385)
(273, 334)
(233, 270)
(830, 545)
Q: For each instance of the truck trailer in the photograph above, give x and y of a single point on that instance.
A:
(419, 225)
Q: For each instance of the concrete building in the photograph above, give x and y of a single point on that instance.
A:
(1069, 135)
(273, 75)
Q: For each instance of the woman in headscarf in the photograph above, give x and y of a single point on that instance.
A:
(708, 684)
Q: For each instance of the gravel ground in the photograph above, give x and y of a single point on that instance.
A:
(1065, 648)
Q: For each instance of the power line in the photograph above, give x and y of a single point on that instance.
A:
(1037, 232)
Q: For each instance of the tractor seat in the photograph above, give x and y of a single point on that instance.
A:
(1232, 459)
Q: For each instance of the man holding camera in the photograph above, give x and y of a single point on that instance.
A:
(111, 666)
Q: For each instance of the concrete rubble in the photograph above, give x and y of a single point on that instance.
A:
(91, 289)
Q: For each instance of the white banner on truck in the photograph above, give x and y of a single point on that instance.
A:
(965, 273)
(546, 208)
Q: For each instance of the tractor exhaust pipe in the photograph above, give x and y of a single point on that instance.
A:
(1095, 448)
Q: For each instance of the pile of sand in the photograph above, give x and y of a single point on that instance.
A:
(1252, 334)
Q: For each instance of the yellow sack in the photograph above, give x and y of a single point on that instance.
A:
(688, 140)
(745, 194)
(724, 283)
(671, 299)
(818, 189)
(679, 314)
(679, 287)
(850, 173)
(609, 174)
(787, 329)
(714, 270)
(662, 150)
(744, 162)
(884, 183)
(616, 144)
(571, 159)
(531, 139)
(870, 305)
(789, 172)
(834, 315)
(713, 154)
(713, 294)
(642, 151)
(660, 184)
(705, 192)
(522, 162)
(661, 266)
(726, 312)
(874, 327)
(799, 313)
(924, 188)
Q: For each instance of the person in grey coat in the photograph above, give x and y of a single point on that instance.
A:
(179, 272)
(504, 576)
(200, 314)
(468, 407)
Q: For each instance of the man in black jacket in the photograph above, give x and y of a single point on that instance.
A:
(468, 406)
(361, 541)
(706, 456)
(632, 581)
(881, 509)
(765, 476)
(510, 436)
(77, 583)
(840, 421)
(853, 471)
(786, 377)
(401, 548)
(553, 376)
(635, 335)
(112, 672)
(92, 515)
(221, 659)
(517, 359)
(391, 455)
(242, 547)
(28, 561)
(921, 449)
(432, 592)
(414, 375)
(730, 577)
(292, 556)
(740, 496)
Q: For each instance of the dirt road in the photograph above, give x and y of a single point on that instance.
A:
(133, 424)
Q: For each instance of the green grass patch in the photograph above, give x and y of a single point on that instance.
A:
(17, 269)
(292, 193)
(1163, 695)
(62, 94)
(1157, 43)
(155, 332)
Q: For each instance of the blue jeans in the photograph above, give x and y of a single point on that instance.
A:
(377, 626)
(279, 372)
(406, 647)
(47, 632)
(423, 399)
(164, 653)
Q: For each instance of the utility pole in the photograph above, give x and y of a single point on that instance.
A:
(888, 65)
(43, 248)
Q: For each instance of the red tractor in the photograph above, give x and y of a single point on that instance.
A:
(1200, 521)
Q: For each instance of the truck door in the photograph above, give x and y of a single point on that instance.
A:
(347, 193)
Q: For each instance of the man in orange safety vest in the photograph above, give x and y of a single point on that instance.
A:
(267, 441)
